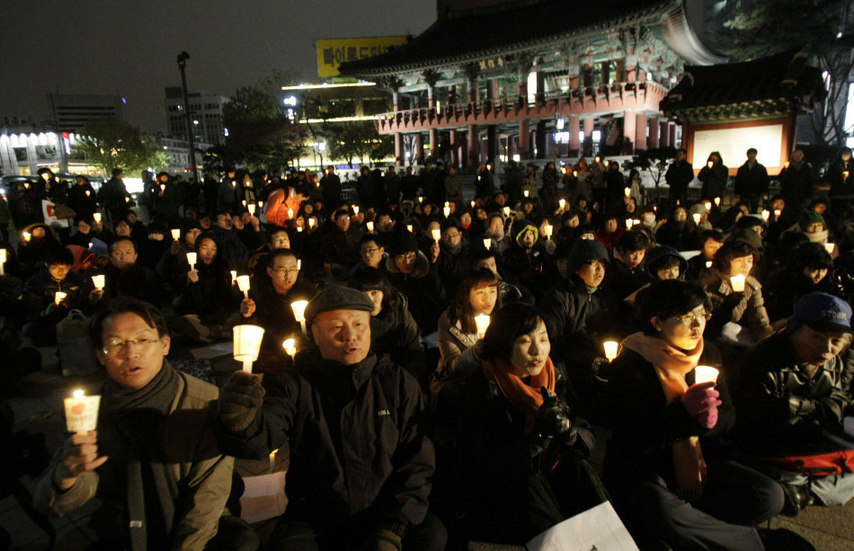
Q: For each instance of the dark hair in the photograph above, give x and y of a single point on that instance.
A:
(714, 235)
(461, 308)
(449, 223)
(507, 324)
(370, 238)
(371, 279)
(479, 253)
(813, 256)
(730, 250)
(120, 239)
(57, 255)
(633, 241)
(668, 298)
(664, 262)
(127, 305)
(276, 253)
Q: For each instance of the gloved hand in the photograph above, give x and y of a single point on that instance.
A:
(553, 419)
(383, 539)
(701, 401)
(239, 400)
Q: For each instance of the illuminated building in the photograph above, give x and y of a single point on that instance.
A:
(205, 111)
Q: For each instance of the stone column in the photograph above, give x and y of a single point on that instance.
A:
(653, 133)
(434, 142)
(491, 142)
(473, 143)
(398, 149)
(524, 139)
(395, 101)
(431, 97)
(574, 124)
(541, 139)
(665, 133)
(640, 132)
(452, 136)
(418, 155)
(629, 122)
(671, 129)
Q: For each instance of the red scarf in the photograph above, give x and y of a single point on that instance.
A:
(526, 397)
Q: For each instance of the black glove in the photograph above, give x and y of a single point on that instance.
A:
(553, 420)
(239, 399)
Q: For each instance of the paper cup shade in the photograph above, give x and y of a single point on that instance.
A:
(704, 374)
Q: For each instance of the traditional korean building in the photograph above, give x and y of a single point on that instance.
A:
(518, 79)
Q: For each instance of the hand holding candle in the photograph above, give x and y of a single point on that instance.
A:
(247, 344)
(251, 208)
(81, 412)
(738, 282)
(298, 308)
(705, 374)
(290, 347)
(191, 260)
(58, 297)
(561, 203)
(611, 350)
(481, 321)
(99, 281)
(370, 225)
(243, 285)
(176, 234)
(487, 243)
(436, 234)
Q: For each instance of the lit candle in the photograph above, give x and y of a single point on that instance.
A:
(506, 211)
(575, 173)
(447, 204)
(370, 226)
(26, 236)
(311, 222)
(299, 264)
(561, 203)
(436, 233)
(299, 229)
(247, 344)
(81, 412)
(710, 164)
(829, 247)
(191, 260)
(251, 208)
(290, 347)
(88, 193)
(481, 321)
(611, 350)
(766, 214)
(409, 228)
(2, 261)
(244, 202)
(627, 191)
(233, 184)
(598, 159)
(127, 199)
(629, 223)
(472, 203)
(260, 204)
(717, 201)
(59, 296)
(446, 211)
(355, 209)
(635, 222)
(708, 264)
(708, 205)
(845, 174)
(705, 374)
(290, 213)
(606, 163)
(99, 281)
(696, 216)
(526, 193)
(176, 235)
(547, 230)
(420, 199)
(233, 276)
(272, 461)
(97, 217)
(162, 187)
(243, 285)
(737, 282)
(298, 308)
(487, 243)
(777, 213)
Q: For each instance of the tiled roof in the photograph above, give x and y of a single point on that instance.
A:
(772, 80)
(497, 31)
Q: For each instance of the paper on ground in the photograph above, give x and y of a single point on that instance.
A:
(598, 529)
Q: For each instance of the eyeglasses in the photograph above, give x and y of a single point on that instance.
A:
(116, 347)
(407, 256)
(372, 250)
(691, 319)
(286, 271)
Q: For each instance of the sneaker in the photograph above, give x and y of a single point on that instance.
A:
(784, 540)
(798, 498)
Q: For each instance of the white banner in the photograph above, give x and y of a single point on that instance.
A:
(49, 213)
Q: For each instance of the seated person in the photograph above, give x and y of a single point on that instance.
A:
(793, 391)
(39, 296)
(205, 294)
(807, 273)
(665, 466)
(628, 271)
(126, 278)
(371, 254)
(269, 305)
(699, 265)
(517, 454)
(153, 459)
(360, 462)
(277, 238)
(477, 295)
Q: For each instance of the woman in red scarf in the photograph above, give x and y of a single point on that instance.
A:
(665, 467)
(516, 463)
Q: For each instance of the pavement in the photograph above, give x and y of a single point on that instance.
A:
(39, 410)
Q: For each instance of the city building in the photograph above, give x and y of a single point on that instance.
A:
(24, 149)
(205, 113)
(178, 152)
(530, 79)
(72, 111)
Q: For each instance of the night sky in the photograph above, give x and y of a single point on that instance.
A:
(130, 47)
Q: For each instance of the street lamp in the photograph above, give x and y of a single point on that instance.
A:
(182, 63)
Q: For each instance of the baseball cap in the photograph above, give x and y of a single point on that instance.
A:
(822, 312)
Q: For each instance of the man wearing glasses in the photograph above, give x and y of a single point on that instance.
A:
(153, 460)
(269, 305)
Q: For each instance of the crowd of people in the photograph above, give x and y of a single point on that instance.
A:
(450, 367)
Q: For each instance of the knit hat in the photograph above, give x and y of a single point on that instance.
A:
(821, 312)
(809, 217)
(336, 297)
(402, 242)
(583, 251)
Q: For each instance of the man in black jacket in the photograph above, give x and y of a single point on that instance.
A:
(751, 180)
(360, 463)
(679, 174)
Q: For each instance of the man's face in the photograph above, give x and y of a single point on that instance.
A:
(343, 336)
(405, 262)
(797, 157)
(611, 225)
(283, 273)
(817, 347)
(343, 222)
(371, 253)
(680, 156)
(751, 156)
(83, 227)
(133, 352)
(634, 258)
(224, 221)
(710, 247)
(191, 235)
(496, 225)
(487, 263)
(451, 237)
(741, 265)
(819, 208)
(123, 255)
(385, 223)
(59, 271)
(207, 251)
(592, 273)
(281, 240)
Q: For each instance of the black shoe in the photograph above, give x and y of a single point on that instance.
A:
(797, 499)
(784, 540)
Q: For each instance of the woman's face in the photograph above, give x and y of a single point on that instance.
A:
(815, 274)
(531, 350)
(611, 225)
(741, 265)
(376, 297)
(592, 273)
(207, 251)
(482, 299)
(122, 229)
(683, 331)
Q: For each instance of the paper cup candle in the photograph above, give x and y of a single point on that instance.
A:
(98, 281)
(436, 234)
(233, 277)
(717, 201)
(710, 164)
(81, 412)
(777, 213)
(191, 260)
(611, 350)
(409, 228)
(243, 285)
(705, 374)
(446, 211)
(290, 347)
(355, 209)
(58, 297)
(26, 236)
(829, 247)
(176, 235)
(290, 213)
(526, 193)
(481, 321)
(251, 208)
(298, 308)
(506, 211)
(370, 226)
(562, 203)
(697, 216)
(547, 230)
(627, 191)
(487, 243)
(247, 344)
(97, 217)
(765, 214)
(629, 224)
(2, 261)
(737, 282)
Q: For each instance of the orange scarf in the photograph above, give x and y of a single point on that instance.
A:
(671, 365)
(526, 397)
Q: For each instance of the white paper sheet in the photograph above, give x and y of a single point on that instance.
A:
(597, 529)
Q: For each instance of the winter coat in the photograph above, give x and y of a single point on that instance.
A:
(751, 180)
(714, 180)
(747, 308)
(423, 289)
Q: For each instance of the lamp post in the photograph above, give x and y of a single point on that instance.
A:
(182, 63)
